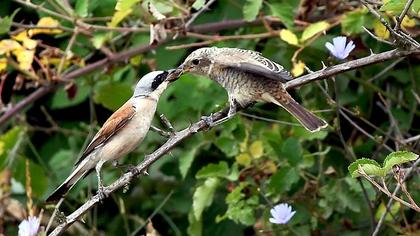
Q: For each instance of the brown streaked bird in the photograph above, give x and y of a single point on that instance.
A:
(124, 130)
(249, 77)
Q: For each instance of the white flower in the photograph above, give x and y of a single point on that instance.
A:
(339, 49)
(281, 213)
(29, 227)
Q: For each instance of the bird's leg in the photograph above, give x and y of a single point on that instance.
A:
(233, 108)
(101, 192)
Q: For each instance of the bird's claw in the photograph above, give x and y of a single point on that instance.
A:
(101, 193)
(208, 120)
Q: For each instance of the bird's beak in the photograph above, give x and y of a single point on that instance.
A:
(173, 74)
(184, 68)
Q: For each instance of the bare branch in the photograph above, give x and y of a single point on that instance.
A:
(403, 13)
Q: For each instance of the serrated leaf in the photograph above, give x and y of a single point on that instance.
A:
(314, 29)
(112, 95)
(82, 7)
(289, 37)
(369, 166)
(398, 158)
(6, 22)
(213, 170)
(203, 196)
(256, 149)
(251, 9)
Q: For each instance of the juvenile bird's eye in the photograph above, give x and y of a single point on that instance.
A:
(195, 62)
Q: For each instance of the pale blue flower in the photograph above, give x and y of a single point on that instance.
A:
(339, 49)
(281, 213)
(29, 227)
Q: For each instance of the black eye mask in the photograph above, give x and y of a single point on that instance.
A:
(159, 79)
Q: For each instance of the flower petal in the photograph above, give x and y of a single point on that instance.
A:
(349, 47)
(330, 48)
(339, 43)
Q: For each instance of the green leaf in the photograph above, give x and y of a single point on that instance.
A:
(397, 6)
(283, 180)
(196, 226)
(6, 22)
(123, 5)
(112, 95)
(227, 145)
(353, 21)
(292, 150)
(213, 170)
(82, 7)
(314, 29)
(186, 160)
(61, 100)
(203, 196)
(198, 4)
(251, 9)
(8, 141)
(371, 167)
(99, 39)
(285, 12)
(398, 158)
(395, 207)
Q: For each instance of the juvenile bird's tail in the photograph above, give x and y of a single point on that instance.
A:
(62, 190)
(310, 121)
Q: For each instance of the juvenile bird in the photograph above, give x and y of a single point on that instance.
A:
(248, 77)
(121, 133)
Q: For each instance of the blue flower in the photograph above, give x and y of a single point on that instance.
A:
(281, 213)
(29, 227)
(339, 49)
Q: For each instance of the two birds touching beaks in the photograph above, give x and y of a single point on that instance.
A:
(246, 75)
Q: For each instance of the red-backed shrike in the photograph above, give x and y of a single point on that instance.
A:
(248, 77)
(121, 133)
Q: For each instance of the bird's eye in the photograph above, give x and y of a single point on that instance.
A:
(195, 62)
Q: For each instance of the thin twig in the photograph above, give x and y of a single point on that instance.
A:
(388, 205)
(402, 15)
(195, 15)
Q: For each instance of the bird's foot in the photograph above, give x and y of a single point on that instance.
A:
(101, 193)
(208, 120)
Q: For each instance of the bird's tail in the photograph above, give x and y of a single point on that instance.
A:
(310, 121)
(78, 173)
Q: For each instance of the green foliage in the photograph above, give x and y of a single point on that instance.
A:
(371, 167)
(225, 180)
(251, 9)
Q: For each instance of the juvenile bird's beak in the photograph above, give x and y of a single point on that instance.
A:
(173, 74)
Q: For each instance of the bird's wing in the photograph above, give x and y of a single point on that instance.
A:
(114, 123)
(253, 62)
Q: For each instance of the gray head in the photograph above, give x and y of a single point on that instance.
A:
(199, 61)
(154, 81)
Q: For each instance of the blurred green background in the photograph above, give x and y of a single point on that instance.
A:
(226, 180)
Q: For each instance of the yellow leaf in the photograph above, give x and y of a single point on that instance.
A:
(269, 167)
(8, 45)
(256, 149)
(118, 17)
(3, 65)
(136, 61)
(243, 159)
(46, 22)
(314, 29)
(27, 42)
(24, 57)
(380, 30)
(408, 23)
(289, 37)
(298, 68)
(1, 143)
